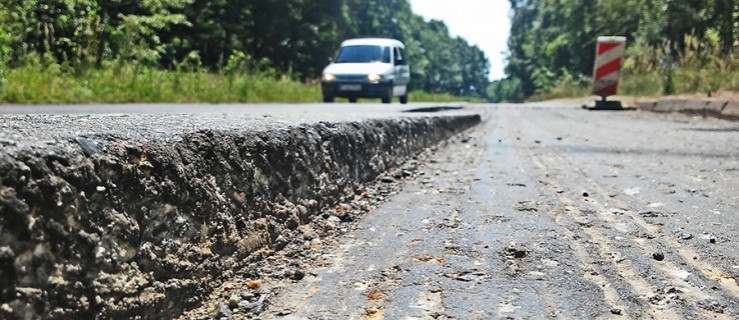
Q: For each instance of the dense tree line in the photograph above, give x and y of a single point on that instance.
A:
(553, 40)
(293, 37)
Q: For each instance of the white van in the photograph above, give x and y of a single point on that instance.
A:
(368, 68)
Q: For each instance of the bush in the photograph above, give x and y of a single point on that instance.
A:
(652, 71)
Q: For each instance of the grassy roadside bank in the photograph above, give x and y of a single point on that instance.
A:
(52, 84)
(700, 71)
(684, 82)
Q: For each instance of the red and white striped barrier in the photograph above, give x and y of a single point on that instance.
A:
(607, 71)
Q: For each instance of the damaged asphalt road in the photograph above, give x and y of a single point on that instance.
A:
(129, 215)
(540, 212)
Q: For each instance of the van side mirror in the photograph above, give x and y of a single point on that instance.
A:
(330, 59)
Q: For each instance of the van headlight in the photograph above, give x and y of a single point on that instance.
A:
(328, 77)
(374, 77)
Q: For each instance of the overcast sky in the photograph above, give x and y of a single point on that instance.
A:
(484, 23)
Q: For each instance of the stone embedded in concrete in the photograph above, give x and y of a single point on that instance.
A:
(117, 228)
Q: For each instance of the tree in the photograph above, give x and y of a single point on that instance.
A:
(293, 37)
(554, 39)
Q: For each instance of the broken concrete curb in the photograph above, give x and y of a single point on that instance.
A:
(107, 227)
(730, 111)
(722, 109)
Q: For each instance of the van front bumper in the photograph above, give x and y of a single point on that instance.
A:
(356, 90)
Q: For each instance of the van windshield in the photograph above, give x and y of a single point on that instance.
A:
(363, 53)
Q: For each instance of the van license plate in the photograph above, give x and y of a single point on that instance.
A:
(350, 87)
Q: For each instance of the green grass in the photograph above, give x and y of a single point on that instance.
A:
(700, 71)
(121, 83)
(566, 89)
(684, 81)
(651, 84)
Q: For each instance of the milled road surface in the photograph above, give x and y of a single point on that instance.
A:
(542, 211)
(546, 211)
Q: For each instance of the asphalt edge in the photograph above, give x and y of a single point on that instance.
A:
(108, 228)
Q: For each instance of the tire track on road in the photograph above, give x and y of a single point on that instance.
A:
(588, 267)
(687, 254)
(550, 159)
(599, 244)
(668, 269)
(605, 247)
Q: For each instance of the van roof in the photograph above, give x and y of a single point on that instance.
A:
(373, 41)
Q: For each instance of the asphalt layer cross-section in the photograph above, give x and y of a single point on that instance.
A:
(23, 125)
(542, 211)
(545, 211)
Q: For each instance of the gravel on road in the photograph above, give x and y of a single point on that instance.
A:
(542, 211)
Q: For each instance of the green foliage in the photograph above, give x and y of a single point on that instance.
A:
(654, 72)
(508, 89)
(668, 40)
(119, 83)
(4, 49)
(290, 38)
(569, 86)
(701, 68)
(238, 63)
(138, 35)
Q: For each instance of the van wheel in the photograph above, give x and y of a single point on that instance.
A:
(328, 99)
(353, 100)
(404, 99)
(389, 97)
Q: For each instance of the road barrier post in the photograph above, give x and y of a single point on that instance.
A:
(607, 71)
